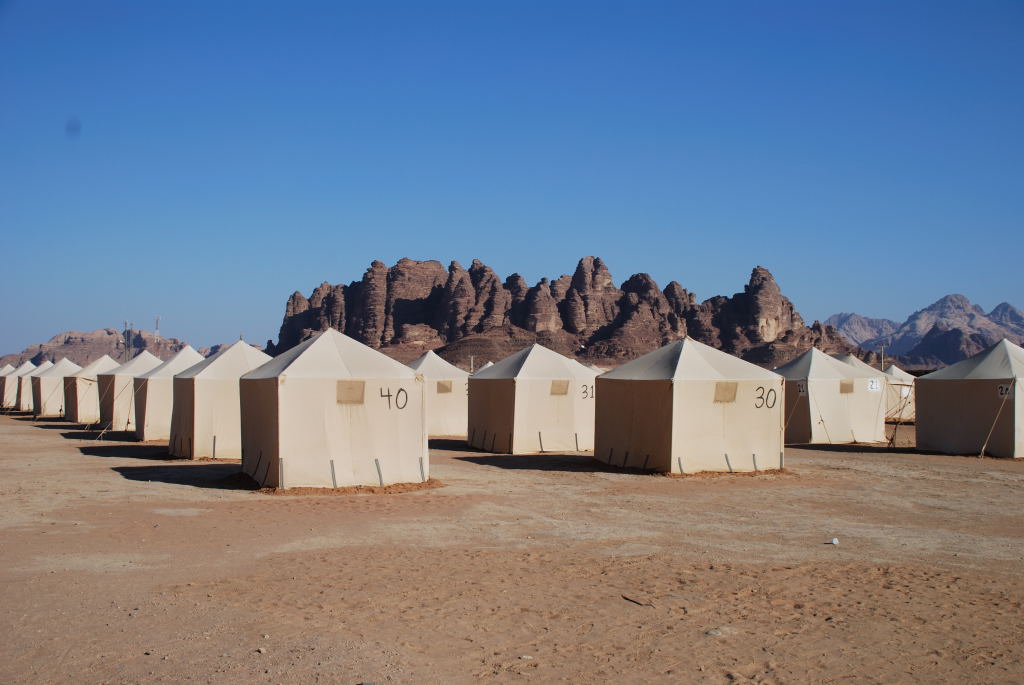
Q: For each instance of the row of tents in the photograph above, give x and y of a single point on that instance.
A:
(332, 412)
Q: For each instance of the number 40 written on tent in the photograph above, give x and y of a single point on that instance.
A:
(401, 398)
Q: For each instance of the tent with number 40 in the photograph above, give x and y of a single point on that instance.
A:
(688, 407)
(332, 412)
(975, 406)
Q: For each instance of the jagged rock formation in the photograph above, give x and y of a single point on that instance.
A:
(83, 348)
(414, 306)
(859, 329)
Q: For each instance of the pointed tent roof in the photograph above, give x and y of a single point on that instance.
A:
(536, 361)
(182, 359)
(595, 368)
(816, 364)
(65, 367)
(26, 367)
(1003, 360)
(433, 366)
(7, 369)
(101, 365)
(688, 359)
(39, 369)
(140, 364)
(330, 354)
(856, 363)
(231, 361)
(896, 372)
(485, 366)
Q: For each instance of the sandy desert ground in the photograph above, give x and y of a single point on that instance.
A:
(122, 566)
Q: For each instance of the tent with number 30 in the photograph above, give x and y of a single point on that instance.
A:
(975, 406)
(332, 412)
(686, 408)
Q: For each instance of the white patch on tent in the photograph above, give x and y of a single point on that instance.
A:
(874, 385)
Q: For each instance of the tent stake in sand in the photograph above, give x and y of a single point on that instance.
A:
(540, 439)
(576, 436)
(334, 478)
(754, 457)
(727, 463)
(625, 459)
(280, 473)
(215, 447)
(423, 472)
(380, 475)
(680, 460)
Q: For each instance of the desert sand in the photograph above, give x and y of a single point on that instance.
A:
(120, 565)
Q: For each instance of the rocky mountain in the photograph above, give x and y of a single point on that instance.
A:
(83, 348)
(463, 313)
(944, 332)
(859, 329)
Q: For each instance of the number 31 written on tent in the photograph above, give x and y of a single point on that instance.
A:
(401, 398)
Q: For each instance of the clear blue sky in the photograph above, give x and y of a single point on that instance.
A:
(202, 160)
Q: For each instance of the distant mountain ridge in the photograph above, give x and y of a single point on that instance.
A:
(859, 329)
(85, 347)
(946, 331)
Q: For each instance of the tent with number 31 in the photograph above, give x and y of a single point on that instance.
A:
(332, 412)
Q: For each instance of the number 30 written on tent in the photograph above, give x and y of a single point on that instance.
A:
(764, 398)
(401, 398)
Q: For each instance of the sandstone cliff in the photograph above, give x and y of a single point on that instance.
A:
(414, 306)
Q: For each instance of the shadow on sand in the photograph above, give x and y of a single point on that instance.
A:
(129, 451)
(95, 434)
(201, 475)
(872, 448)
(451, 445)
(553, 462)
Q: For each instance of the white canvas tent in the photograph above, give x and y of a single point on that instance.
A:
(206, 421)
(829, 402)
(447, 393)
(81, 391)
(900, 400)
(975, 406)
(533, 401)
(25, 402)
(332, 412)
(10, 384)
(6, 369)
(687, 408)
(48, 388)
(117, 407)
(154, 395)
